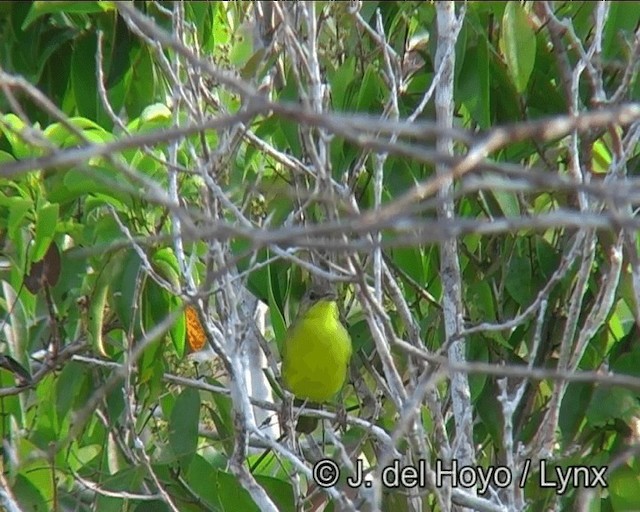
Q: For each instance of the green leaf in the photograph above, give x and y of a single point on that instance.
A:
(18, 210)
(145, 163)
(61, 136)
(183, 426)
(477, 351)
(203, 479)
(361, 338)
(518, 280)
(573, 409)
(97, 305)
(340, 81)
(480, 299)
(129, 479)
(609, 404)
(94, 180)
(508, 203)
(164, 262)
(105, 230)
(624, 483)
(547, 257)
(6, 157)
(83, 76)
(628, 363)
(487, 405)
(622, 18)
(277, 318)
(11, 125)
(158, 112)
(82, 456)
(142, 84)
(39, 9)
(155, 308)
(410, 260)
(45, 229)
(200, 13)
(123, 43)
(158, 302)
(178, 331)
(222, 417)
(369, 91)
(473, 84)
(67, 387)
(233, 496)
(601, 157)
(153, 506)
(279, 491)
(28, 494)
(518, 44)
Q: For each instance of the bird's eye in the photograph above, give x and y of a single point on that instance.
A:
(314, 296)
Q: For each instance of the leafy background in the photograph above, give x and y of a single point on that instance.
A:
(154, 155)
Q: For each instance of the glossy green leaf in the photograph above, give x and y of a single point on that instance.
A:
(18, 210)
(142, 84)
(156, 303)
(81, 457)
(47, 219)
(601, 157)
(624, 483)
(280, 491)
(410, 261)
(129, 480)
(183, 426)
(547, 257)
(573, 409)
(6, 157)
(518, 44)
(481, 301)
(628, 363)
(28, 494)
(123, 43)
(518, 281)
(89, 180)
(68, 387)
(508, 203)
(178, 331)
(12, 127)
(277, 317)
(610, 404)
(478, 351)
(83, 76)
(155, 113)
(341, 80)
(486, 405)
(152, 506)
(622, 18)
(232, 495)
(96, 312)
(369, 96)
(60, 135)
(40, 8)
(473, 84)
(223, 419)
(203, 479)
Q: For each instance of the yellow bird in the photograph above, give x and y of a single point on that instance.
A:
(317, 350)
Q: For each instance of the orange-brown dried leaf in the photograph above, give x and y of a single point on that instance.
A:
(196, 337)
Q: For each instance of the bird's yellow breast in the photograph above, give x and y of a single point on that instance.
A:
(316, 353)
